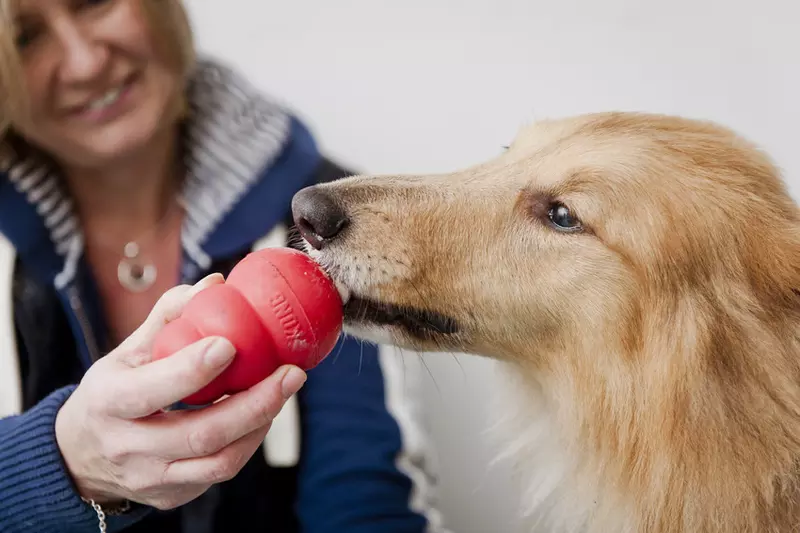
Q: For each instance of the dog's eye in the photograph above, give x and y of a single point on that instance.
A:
(562, 219)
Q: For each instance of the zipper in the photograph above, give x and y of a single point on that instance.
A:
(83, 322)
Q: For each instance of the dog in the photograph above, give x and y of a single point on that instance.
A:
(638, 277)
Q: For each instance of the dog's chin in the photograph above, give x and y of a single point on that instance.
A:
(378, 334)
(410, 327)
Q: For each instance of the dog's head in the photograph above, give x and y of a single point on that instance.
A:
(574, 233)
(641, 271)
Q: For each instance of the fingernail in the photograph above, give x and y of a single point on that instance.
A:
(206, 280)
(292, 382)
(219, 352)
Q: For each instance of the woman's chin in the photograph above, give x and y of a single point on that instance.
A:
(113, 143)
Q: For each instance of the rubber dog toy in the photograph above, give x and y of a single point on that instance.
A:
(277, 307)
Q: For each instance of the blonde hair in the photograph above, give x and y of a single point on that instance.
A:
(168, 20)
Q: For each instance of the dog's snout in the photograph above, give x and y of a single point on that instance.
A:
(318, 216)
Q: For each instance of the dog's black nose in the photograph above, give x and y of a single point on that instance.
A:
(318, 216)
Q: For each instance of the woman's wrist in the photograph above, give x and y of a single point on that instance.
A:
(90, 491)
(110, 507)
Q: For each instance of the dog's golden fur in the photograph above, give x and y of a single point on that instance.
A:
(654, 354)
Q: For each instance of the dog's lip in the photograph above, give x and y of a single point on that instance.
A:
(341, 287)
(419, 322)
(344, 292)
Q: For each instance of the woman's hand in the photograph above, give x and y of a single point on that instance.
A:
(118, 443)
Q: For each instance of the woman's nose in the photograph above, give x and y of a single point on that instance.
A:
(83, 57)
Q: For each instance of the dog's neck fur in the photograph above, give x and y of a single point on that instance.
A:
(693, 458)
(557, 493)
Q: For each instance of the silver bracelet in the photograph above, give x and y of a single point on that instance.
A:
(101, 514)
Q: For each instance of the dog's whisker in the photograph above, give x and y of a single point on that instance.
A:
(399, 352)
(361, 357)
(424, 304)
(433, 378)
(339, 349)
(402, 355)
(458, 362)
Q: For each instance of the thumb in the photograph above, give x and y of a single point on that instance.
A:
(143, 390)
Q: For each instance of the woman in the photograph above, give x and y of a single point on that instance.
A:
(130, 167)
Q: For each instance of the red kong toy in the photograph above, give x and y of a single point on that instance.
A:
(276, 307)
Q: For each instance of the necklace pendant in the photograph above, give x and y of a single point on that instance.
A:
(133, 275)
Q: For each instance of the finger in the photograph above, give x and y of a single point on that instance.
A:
(169, 497)
(147, 389)
(217, 467)
(168, 307)
(209, 430)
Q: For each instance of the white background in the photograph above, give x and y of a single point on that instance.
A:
(434, 85)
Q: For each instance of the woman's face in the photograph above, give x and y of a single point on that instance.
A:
(98, 85)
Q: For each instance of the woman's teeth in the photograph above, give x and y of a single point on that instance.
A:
(106, 100)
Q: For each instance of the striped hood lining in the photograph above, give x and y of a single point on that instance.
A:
(232, 134)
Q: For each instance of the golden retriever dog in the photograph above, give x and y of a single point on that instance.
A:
(638, 276)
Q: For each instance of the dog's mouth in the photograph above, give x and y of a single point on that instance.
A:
(419, 323)
(360, 310)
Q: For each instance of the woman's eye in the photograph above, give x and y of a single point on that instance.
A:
(562, 219)
(93, 2)
(85, 4)
(24, 38)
